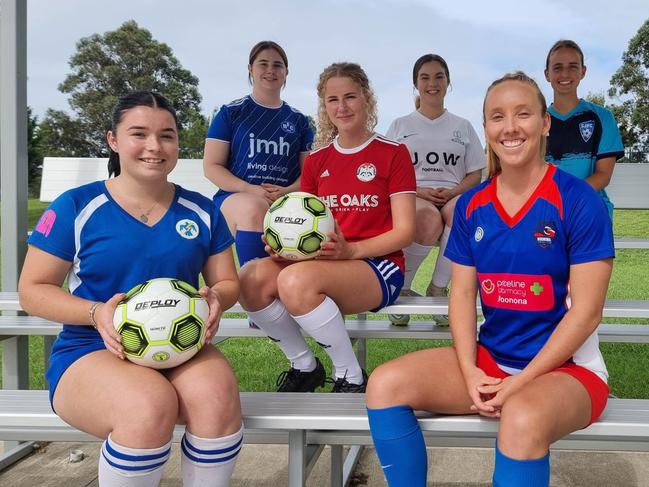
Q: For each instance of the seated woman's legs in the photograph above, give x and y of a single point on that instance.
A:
(133, 407)
(244, 213)
(208, 399)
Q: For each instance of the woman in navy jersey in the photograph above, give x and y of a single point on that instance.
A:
(448, 159)
(523, 238)
(584, 139)
(105, 237)
(254, 150)
(369, 184)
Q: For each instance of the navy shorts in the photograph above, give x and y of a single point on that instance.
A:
(390, 278)
(220, 197)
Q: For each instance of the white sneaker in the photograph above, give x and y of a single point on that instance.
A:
(434, 291)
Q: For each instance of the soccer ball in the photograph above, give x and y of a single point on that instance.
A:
(162, 323)
(296, 224)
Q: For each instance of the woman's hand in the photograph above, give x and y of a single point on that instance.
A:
(259, 190)
(431, 194)
(336, 247)
(214, 316)
(476, 382)
(445, 195)
(104, 318)
(273, 191)
(499, 393)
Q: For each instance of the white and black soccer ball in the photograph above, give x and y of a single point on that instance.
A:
(296, 224)
(162, 323)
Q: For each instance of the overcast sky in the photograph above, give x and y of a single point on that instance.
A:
(479, 39)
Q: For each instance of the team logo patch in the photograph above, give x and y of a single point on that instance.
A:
(545, 233)
(586, 129)
(366, 172)
(479, 233)
(288, 127)
(187, 229)
(457, 137)
(488, 286)
(46, 223)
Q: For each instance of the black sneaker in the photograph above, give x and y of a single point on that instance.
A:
(342, 385)
(294, 380)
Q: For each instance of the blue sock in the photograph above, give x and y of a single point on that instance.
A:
(399, 445)
(249, 246)
(521, 473)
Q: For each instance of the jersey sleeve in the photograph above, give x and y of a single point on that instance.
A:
(393, 130)
(474, 157)
(610, 145)
(54, 232)
(589, 228)
(402, 174)
(308, 180)
(306, 139)
(458, 248)
(221, 236)
(221, 126)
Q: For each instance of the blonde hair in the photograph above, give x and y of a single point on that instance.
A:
(327, 131)
(493, 161)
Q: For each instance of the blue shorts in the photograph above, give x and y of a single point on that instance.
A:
(220, 197)
(390, 278)
(72, 343)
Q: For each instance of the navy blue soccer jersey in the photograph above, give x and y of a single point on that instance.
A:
(578, 139)
(111, 251)
(265, 143)
(523, 262)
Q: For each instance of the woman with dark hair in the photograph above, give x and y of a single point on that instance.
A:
(584, 139)
(368, 183)
(537, 245)
(105, 237)
(448, 160)
(254, 150)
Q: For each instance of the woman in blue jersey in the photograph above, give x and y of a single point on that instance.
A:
(105, 237)
(254, 150)
(448, 160)
(523, 238)
(584, 138)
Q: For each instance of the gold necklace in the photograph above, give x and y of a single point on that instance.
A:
(144, 216)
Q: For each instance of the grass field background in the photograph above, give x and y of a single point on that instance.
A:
(257, 362)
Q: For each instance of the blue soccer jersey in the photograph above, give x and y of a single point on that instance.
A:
(523, 262)
(265, 143)
(578, 139)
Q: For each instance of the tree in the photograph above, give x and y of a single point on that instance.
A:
(63, 136)
(630, 84)
(109, 65)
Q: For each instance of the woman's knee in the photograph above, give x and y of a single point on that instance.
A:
(256, 280)
(296, 285)
(246, 210)
(428, 225)
(385, 387)
(523, 428)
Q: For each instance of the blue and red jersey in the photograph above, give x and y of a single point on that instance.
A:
(523, 261)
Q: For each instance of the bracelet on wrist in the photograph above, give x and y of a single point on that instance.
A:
(91, 313)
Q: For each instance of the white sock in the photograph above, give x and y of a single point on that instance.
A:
(281, 328)
(415, 254)
(442, 272)
(209, 462)
(325, 323)
(120, 466)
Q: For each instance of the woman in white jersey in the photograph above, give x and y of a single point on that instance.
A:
(448, 159)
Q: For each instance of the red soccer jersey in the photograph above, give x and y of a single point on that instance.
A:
(356, 184)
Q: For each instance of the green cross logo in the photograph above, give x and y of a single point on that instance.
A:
(536, 288)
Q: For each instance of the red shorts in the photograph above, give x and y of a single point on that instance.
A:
(596, 388)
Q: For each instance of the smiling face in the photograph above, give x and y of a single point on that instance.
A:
(346, 105)
(146, 140)
(432, 83)
(515, 125)
(565, 70)
(268, 71)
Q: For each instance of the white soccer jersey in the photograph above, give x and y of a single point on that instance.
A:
(443, 150)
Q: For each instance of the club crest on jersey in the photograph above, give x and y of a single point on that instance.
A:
(187, 229)
(545, 233)
(479, 233)
(288, 127)
(457, 137)
(586, 129)
(366, 172)
(46, 223)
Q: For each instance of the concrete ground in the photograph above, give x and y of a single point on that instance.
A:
(265, 465)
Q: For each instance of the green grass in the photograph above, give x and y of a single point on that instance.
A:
(257, 362)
